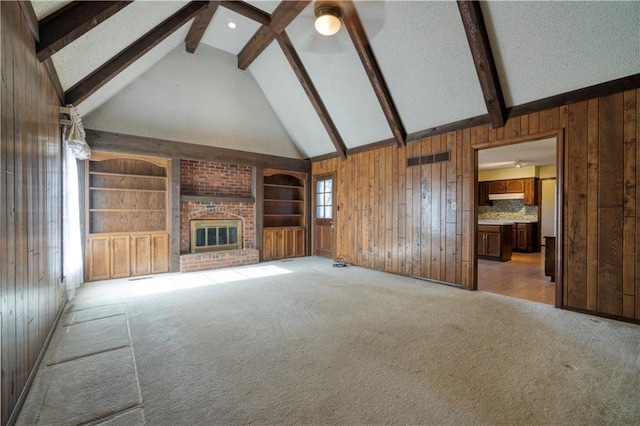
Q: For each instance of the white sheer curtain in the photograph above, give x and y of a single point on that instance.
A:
(75, 147)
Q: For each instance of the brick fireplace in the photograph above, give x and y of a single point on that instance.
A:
(216, 191)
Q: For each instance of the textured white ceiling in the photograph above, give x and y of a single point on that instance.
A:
(131, 73)
(266, 5)
(546, 48)
(424, 56)
(45, 8)
(230, 40)
(199, 98)
(91, 50)
(537, 153)
(541, 48)
(290, 102)
(342, 84)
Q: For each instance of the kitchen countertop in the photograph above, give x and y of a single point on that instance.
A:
(504, 222)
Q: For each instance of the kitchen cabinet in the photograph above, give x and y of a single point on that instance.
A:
(494, 242)
(531, 192)
(483, 194)
(526, 186)
(514, 186)
(497, 186)
(525, 237)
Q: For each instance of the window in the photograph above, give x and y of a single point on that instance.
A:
(324, 199)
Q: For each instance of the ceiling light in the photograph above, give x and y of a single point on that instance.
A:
(327, 17)
(518, 164)
(232, 25)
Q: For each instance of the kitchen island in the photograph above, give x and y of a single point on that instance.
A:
(495, 240)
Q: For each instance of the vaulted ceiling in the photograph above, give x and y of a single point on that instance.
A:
(396, 71)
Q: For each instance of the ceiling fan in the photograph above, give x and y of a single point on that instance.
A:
(322, 32)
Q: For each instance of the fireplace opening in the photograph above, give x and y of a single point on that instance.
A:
(212, 235)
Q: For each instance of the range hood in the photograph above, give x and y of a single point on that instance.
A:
(509, 196)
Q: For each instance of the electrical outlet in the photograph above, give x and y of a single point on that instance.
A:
(453, 205)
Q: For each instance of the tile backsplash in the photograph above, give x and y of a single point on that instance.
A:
(508, 210)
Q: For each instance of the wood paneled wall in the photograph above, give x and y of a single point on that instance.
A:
(401, 220)
(30, 207)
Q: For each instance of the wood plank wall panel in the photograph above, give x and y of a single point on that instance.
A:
(30, 224)
(401, 219)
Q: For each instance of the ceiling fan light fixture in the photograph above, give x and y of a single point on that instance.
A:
(518, 164)
(327, 18)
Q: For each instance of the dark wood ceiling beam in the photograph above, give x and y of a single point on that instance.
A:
(31, 18)
(483, 59)
(66, 25)
(122, 60)
(361, 43)
(248, 11)
(284, 14)
(200, 25)
(303, 77)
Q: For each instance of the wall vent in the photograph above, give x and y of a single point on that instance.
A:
(437, 157)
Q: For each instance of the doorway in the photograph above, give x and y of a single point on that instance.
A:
(518, 201)
(323, 216)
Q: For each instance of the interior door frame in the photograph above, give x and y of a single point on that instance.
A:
(314, 210)
(560, 204)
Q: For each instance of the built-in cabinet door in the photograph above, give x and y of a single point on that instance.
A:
(514, 186)
(120, 256)
(497, 187)
(140, 255)
(523, 239)
(159, 253)
(98, 259)
(482, 245)
(531, 192)
(493, 244)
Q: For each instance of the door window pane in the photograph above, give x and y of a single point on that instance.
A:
(324, 199)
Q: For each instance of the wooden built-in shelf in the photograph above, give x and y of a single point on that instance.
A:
(128, 210)
(283, 186)
(127, 215)
(283, 214)
(95, 188)
(127, 175)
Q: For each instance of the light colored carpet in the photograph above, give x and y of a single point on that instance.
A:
(301, 342)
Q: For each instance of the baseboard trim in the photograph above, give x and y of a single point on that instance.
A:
(601, 314)
(25, 391)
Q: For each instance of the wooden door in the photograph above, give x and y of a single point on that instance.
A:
(159, 253)
(323, 216)
(99, 258)
(140, 254)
